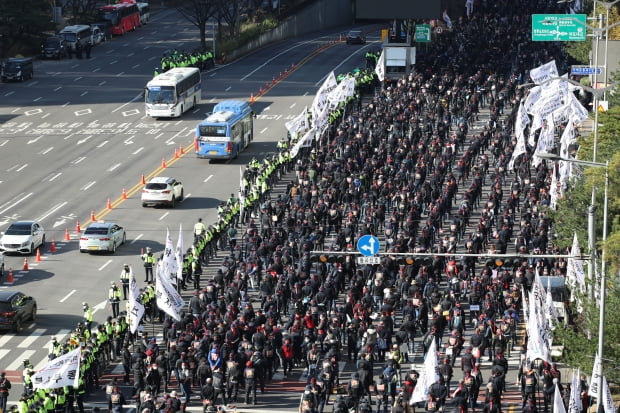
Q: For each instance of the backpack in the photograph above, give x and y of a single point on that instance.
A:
(390, 378)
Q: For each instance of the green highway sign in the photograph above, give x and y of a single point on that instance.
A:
(423, 33)
(558, 27)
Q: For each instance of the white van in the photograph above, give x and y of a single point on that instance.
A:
(79, 33)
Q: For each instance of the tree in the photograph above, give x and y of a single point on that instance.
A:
(198, 12)
(82, 10)
(21, 25)
(228, 11)
(570, 217)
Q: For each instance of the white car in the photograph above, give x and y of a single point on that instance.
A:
(162, 191)
(23, 237)
(97, 36)
(102, 236)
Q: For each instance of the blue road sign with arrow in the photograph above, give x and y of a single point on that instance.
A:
(368, 245)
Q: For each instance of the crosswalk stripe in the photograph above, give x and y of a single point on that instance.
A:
(5, 339)
(27, 342)
(18, 361)
(3, 353)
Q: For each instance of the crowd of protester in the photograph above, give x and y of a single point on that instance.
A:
(423, 164)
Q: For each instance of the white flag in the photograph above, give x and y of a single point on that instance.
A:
(574, 404)
(136, 308)
(558, 404)
(552, 314)
(319, 104)
(447, 19)
(170, 266)
(179, 253)
(608, 401)
(544, 72)
(428, 376)
(593, 389)
(59, 372)
(167, 297)
(379, 68)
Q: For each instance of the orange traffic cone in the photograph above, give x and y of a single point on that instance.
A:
(53, 246)
(143, 181)
(25, 264)
(78, 229)
(252, 99)
(181, 149)
(163, 163)
(109, 204)
(176, 153)
(38, 257)
(10, 277)
(124, 194)
(196, 148)
(67, 237)
(92, 216)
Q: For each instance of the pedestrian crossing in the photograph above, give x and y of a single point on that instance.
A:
(34, 347)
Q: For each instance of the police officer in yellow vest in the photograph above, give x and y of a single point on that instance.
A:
(149, 259)
(114, 296)
(88, 316)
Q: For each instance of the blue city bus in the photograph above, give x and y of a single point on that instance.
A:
(225, 132)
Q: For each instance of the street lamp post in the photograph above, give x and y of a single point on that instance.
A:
(601, 322)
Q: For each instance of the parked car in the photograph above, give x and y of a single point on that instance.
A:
(106, 29)
(102, 236)
(356, 37)
(17, 68)
(23, 237)
(15, 309)
(162, 191)
(97, 35)
(53, 48)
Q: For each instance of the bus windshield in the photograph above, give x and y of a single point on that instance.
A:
(160, 94)
(70, 37)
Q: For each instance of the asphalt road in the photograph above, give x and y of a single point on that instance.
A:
(75, 136)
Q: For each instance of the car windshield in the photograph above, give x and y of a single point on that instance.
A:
(160, 94)
(53, 43)
(5, 307)
(18, 229)
(156, 186)
(354, 34)
(96, 231)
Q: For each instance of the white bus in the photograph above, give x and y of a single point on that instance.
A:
(145, 13)
(170, 94)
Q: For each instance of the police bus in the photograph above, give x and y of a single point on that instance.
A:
(145, 13)
(225, 132)
(172, 93)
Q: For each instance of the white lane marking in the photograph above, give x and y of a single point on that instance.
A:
(51, 211)
(136, 239)
(273, 58)
(102, 144)
(113, 167)
(108, 262)
(96, 70)
(88, 185)
(58, 88)
(55, 176)
(138, 96)
(17, 202)
(137, 151)
(27, 342)
(37, 99)
(228, 88)
(66, 104)
(207, 178)
(77, 78)
(84, 93)
(263, 130)
(102, 83)
(9, 94)
(63, 299)
(293, 105)
(164, 216)
(45, 116)
(4, 142)
(135, 66)
(78, 160)
(45, 152)
(22, 167)
(5, 339)
(4, 352)
(113, 62)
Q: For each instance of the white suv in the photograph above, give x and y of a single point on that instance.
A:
(162, 191)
